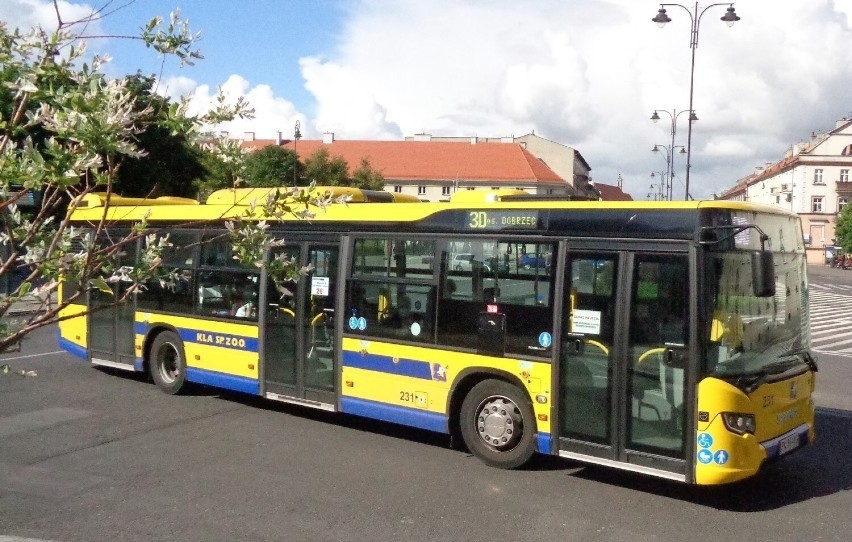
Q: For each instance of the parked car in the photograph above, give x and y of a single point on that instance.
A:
(530, 261)
(462, 262)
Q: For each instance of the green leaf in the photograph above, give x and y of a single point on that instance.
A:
(25, 288)
(102, 286)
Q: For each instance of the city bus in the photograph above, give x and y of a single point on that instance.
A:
(664, 338)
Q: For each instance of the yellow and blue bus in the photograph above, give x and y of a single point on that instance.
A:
(666, 338)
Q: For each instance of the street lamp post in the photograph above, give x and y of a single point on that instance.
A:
(296, 136)
(658, 189)
(669, 177)
(673, 116)
(661, 19)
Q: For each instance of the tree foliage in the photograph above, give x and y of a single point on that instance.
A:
(270, 167)
(843, 229)
(171, 161)
(322, 169)
(367, 177)
(68, 130)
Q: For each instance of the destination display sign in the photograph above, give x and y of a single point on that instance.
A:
(521, 219)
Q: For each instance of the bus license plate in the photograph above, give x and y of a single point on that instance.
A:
(788, 444)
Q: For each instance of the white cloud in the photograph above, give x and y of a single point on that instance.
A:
(585, 73)
(588, 74)
(271, 113)
(25, 14)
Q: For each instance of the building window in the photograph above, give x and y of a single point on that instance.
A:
(495, 188)
(445, 190)
(471, 188)
(421, 190)
(818, 176)
(816, 204)
(397, 188)
(844, 175)
(841, 204)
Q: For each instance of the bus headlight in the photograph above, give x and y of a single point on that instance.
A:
(739, 423)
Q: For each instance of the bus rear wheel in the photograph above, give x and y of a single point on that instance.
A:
(168, 363)
(498, 425)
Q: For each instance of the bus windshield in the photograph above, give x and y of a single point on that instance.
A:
(757, 336)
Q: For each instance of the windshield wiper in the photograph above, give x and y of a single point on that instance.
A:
(751, 381)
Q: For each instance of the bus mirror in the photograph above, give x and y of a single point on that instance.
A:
(763, 273)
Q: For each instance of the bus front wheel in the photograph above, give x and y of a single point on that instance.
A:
(168, 363)
(498, 424)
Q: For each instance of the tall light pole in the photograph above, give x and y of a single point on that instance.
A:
(658, 189)
(673, 116)
(670, 150)
(296, 136)
(661, 19)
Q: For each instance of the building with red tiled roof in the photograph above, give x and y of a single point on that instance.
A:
(812, 180)
(611, 192)
(434, 169)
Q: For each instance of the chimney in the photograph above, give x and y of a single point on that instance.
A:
(422, 137)
(278, 138)
(248, 136)
(473, 140)
(328, 138)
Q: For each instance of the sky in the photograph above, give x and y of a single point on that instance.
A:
(584, 73)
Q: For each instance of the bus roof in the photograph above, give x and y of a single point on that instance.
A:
(367, 206)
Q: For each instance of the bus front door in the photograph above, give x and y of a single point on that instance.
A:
(622, 371)
(298, 337)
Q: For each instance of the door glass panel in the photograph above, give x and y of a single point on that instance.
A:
(657, 351)
(319, 318)
(586, 371)
(280, 329)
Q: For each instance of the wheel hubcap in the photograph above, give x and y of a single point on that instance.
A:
(168, 365)
(499, 423)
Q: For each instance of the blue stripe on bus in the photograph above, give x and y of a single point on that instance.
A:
(221, 380)
(431, 421)
(139, 364)
(212, 338)
(73, 348)
(387, 364)
(544, 442)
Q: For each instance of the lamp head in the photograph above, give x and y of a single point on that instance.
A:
(661, 19)
(692, 116)
(655, 117)
(730, 16)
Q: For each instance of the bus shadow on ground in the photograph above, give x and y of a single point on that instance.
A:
(816, 471)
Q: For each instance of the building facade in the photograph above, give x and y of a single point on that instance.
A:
(812, 180)
(433, 169)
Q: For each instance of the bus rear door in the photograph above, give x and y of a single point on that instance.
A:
(110, 324)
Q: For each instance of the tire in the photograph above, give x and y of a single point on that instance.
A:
(498, 425)
(167, 363)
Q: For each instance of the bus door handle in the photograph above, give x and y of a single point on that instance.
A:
(674, 355)
(574, 344)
